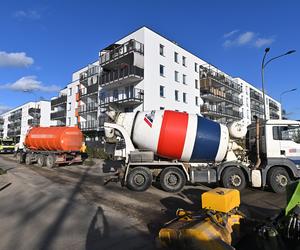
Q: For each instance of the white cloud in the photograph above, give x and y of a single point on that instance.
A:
(248, 38)
(245, 38)
(30, 83)
(229, 34)
(16, 59)
(26, 14)
(260, 42)
(4, 108)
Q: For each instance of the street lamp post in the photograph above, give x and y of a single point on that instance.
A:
(282, 93)
(263, 66)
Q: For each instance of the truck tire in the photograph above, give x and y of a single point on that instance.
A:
(172, 179)
(20, 157)
(50, 161)
(28, 159)
(278, 178)
(233, 177)
(41, 160)
(139, 179)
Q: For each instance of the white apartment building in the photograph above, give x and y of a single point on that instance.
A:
(17, 121)
(146, 71)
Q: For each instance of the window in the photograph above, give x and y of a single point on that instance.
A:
(288, 133)
(69, 121)
(176, 57)
(162, 91)
(184, 97)
(162, 108)
(197, 100)
(161, 50)
(183, 60)
(69, 106)
(177, 95)
(70, 91)
(196, 84)
(176, 76)
(162, 70)
(196, 67)
(184, 79)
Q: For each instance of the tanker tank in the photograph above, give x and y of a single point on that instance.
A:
(54, 139)
(177, 135)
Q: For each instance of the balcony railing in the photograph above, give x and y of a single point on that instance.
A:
(59, 100)
(220, 111)
(221, 96)
(58, 114)
(131, 73)
(121, 50)
(88, 107)
(89, 125)
(92, 89)
(134, 97)
(211, 77)
(1, 121)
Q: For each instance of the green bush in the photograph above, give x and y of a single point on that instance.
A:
(98, 153)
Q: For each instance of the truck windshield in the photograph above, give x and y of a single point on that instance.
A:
(291, 133)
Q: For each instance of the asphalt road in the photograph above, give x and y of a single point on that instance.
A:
(72, 208)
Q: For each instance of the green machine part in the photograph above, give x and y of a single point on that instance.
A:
(293, 196)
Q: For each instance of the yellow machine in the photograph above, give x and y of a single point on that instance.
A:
(210, 229)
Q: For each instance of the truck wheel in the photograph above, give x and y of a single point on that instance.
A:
(20, 157)
(50, 161)
(233, 177)
(41, 160)
(172, 179)
(28, 159)
(139, 179)
(278, 179)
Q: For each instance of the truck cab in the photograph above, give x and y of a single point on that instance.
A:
(7, 145)
(279, 151)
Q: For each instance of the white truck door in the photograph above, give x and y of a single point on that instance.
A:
(290, 143)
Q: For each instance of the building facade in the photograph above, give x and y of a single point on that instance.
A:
(146, 71)
(16, 122)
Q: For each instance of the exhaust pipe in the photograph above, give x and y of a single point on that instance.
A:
(258, 160)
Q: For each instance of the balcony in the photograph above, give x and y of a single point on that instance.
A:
(89, 125)
(132, 97)
(58, 115)
(256, 107)
(124, 76)
(34, 112)
(220, 112)
(89, 90)
(124, 51)
(1, 121)
(92, 71)
(33, 122)
(90, 107)
(217, 95)
(256, 96)
(213, 78)
(59, 100)
(273, 106)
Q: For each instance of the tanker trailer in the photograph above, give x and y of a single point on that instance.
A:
(174, 148)
(51, 146)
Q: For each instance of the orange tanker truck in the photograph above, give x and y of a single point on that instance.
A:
(51, 146)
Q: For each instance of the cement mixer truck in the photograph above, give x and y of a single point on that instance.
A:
(51, 146)
(175, 148)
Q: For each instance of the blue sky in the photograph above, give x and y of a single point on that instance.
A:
(43, 42)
